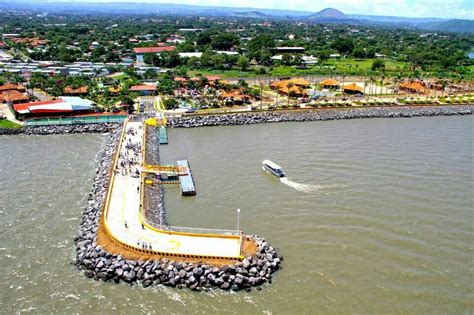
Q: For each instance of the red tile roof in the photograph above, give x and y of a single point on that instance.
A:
(80, 90)
(142, 50)
(13, 96)
(25, 106)
(143, 87)
(11, 86)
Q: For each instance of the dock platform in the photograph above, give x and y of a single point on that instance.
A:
(186, 181)
(163, 135)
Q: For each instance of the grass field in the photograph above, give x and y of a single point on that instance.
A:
(338, 67)
(8, 124)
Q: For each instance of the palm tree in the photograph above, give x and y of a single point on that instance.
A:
(289, 86)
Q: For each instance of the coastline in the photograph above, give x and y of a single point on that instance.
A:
(260, 117)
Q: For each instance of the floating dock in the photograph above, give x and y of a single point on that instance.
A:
(163, 135)
(186, 181)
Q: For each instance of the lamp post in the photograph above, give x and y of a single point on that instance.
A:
(238, 219)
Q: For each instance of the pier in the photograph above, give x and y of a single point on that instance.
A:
(125, 223)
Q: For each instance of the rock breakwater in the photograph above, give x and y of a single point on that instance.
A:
(315, 115)
(60, 129)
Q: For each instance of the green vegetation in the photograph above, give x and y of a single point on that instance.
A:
(72, 37)
(4, 123)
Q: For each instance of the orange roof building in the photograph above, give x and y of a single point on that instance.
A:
(156, 50)
(294, 90)
(329, 83)
(284, 83)
(12, 87)
(13, 97)
(414, 87)
(353, 89)
(69, 90)
(144, 89)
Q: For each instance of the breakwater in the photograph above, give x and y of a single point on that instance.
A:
(60, 129)
(315, 115)
(100, 264)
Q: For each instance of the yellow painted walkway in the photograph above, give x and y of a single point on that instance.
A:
(123, 219)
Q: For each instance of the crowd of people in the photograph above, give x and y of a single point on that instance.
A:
(130, 155)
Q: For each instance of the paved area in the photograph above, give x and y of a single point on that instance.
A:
(8, 113)
(123, 216)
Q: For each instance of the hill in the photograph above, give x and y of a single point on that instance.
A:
(328, 13)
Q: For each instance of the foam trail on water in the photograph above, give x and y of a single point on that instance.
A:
(300, 187)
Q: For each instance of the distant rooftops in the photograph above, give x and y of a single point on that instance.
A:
(157, 49)
(289, 49)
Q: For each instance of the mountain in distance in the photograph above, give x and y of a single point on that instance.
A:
(328, 13)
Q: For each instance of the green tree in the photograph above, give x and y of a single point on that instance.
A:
(359, 53)
(243, 63)
(225, 41)
(323, 56)
(286, 59)
(377, 64)
(343, 45)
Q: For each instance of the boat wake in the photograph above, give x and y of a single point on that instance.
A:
(307, 188)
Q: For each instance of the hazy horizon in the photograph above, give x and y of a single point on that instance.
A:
(449, 9)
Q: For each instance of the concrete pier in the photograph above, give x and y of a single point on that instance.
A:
(124, 221)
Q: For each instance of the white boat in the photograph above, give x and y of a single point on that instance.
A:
(273, 168)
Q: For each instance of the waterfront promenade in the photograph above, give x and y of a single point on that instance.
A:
(124, 222)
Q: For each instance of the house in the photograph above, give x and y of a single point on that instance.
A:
(289, 50)
(278, 85)
(310, 60)
(190, 54)
(12, 87)
(352, 89)
(294, 90)
(329, 84)
(234, 97)
(144, 89)
(13, 97)
(412, 87)
(82, 90)
(141, 51)
(34, 42)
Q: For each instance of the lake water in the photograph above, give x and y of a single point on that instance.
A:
(376, 217)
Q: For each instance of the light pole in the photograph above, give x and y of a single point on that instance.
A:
(238, 219)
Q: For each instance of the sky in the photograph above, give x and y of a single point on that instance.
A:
(460, 9)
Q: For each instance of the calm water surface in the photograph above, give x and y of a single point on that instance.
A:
(377, 217)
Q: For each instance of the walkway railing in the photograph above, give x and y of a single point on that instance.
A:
(75, 120)
(191, 230)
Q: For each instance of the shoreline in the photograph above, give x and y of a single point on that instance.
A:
(259, 117)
